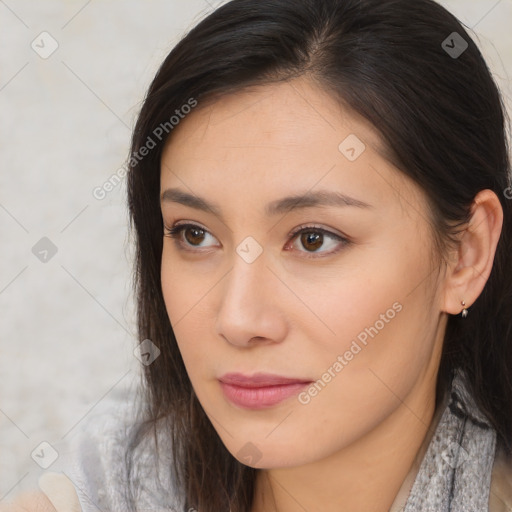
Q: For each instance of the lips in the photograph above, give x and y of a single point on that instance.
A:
(261, 390)
(259, 380)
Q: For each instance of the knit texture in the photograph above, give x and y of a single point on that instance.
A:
(95, 460)
(455, 473)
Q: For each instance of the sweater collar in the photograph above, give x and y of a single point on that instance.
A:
(452, 470)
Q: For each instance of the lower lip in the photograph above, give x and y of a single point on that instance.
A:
(261, 398)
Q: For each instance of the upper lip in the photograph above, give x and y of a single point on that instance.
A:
(259, 380)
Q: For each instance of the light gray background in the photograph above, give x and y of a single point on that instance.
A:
(67, 325)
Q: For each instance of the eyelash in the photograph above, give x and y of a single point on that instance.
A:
(176, 231)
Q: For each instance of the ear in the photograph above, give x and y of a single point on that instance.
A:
(471, 263)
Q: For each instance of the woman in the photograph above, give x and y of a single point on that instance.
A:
(319, 193)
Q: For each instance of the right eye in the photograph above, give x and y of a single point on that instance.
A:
(189, 235)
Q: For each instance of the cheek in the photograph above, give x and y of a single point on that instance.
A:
(178, 292)
(186, 295)
(373, 316)
(379, 349)
(185, 285)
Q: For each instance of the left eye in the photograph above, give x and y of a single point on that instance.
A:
(311, 238)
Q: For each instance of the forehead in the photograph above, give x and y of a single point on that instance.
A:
(287, 136)
(289, 113)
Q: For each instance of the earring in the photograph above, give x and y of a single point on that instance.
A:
(464, 311)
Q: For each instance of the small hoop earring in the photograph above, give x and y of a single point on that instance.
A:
(464, 311)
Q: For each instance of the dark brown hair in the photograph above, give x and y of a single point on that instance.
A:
(443, 122)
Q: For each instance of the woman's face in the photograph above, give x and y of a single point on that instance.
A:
(308, 258)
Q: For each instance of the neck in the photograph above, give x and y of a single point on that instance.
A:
(374, 473)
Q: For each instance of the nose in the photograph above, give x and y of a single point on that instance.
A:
(249, 311)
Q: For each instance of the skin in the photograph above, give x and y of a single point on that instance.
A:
(351, 447)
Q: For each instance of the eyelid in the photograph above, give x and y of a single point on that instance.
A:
(314, 227)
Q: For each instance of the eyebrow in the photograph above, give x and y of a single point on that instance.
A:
(280, 206)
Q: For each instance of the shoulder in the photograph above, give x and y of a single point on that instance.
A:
(114, 467)
(500, 496)
(95, 454)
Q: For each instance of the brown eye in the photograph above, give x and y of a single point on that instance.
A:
(312, 240)
(190, 235)
(194, 236)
